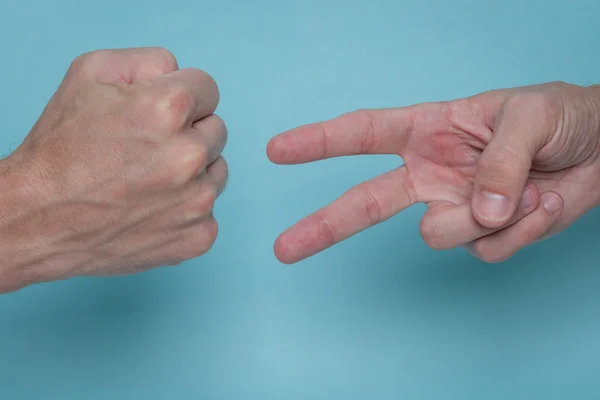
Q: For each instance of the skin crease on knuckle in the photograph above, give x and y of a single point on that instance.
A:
(372, 209)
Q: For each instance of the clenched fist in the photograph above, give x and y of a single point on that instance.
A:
(119, 174)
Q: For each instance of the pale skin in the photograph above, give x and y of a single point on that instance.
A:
(121, 171)
(119, 174)
(498, 171)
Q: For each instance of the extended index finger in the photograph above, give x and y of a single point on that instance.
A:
(384, 131)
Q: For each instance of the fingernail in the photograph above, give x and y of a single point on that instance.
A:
(527, 199)
(551, 203)
(493, 206)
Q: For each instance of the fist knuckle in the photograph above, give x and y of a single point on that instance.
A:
(198, 152)
(86, 62)
(167, 60)
(173, 106)
(179, 97)
(204, 201)
(188, 163)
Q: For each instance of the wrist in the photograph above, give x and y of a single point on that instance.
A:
(20, 243)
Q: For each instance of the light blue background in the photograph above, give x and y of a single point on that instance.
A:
(380, 316)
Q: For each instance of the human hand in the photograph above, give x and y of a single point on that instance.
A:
(498, 171)
(119, 174)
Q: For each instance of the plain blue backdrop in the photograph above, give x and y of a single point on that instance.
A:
(380, 316)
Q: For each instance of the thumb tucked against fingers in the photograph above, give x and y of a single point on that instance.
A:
(505, 163)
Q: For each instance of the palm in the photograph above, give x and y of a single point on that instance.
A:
(441, 160)
(441, 144)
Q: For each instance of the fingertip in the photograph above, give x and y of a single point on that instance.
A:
(552, 202)
(272, 150)
(283, 251)
(504, 244)
(530, 198)
(283, 149)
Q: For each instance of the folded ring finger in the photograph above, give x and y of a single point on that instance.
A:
(449, 226)
(503, 244)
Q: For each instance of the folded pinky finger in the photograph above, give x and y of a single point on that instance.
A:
(503, 244)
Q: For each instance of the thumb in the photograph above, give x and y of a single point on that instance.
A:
(522, 129)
